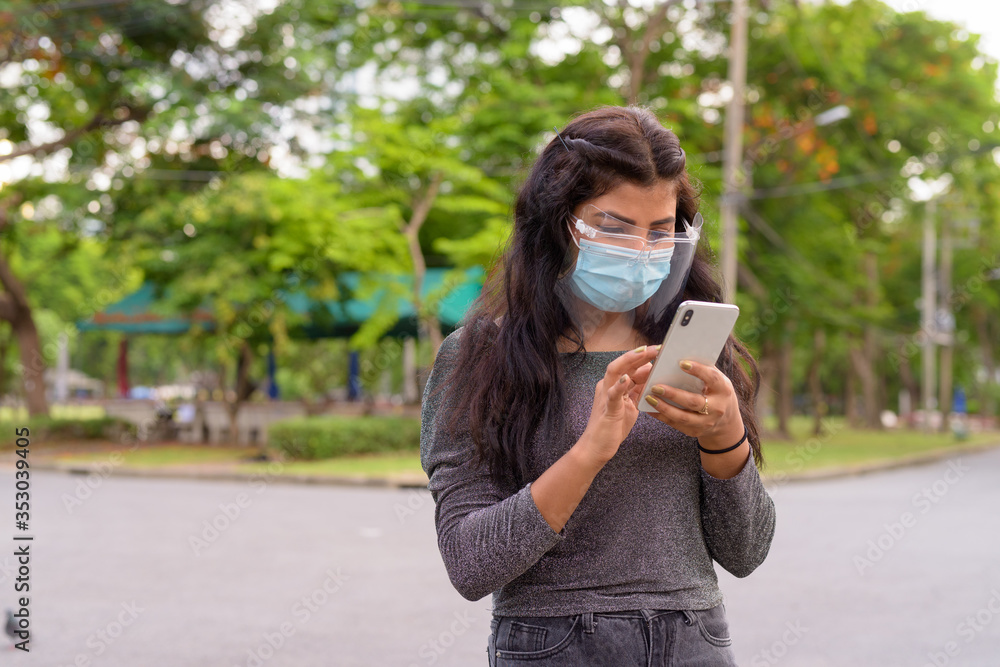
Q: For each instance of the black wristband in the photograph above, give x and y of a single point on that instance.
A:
(727, 449)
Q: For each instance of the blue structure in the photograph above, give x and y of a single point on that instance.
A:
(272, 382)
(354, 377)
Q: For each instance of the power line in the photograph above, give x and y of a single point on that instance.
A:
(821, 186)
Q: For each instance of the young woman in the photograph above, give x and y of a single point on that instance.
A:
(593, 524)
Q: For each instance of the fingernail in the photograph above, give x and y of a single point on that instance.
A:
(686, 365)
(656, 347)
(639, 349)
(658, 390)
(621, 380)
(652, 401)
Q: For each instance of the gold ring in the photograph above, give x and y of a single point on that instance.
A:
(704, 410)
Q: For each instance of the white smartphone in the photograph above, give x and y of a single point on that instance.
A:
(699, 332)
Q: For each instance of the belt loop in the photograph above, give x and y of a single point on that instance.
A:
(588, 622)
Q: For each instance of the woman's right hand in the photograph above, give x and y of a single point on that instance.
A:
(616, 400)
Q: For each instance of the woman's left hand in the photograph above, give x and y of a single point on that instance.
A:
(721, 427)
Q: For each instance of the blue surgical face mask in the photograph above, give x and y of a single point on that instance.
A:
(614, 281)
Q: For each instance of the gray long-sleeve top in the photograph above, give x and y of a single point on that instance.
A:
(643, 537)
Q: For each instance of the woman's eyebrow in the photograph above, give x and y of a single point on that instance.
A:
(662, 221)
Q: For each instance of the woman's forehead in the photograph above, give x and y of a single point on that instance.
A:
(639, 204)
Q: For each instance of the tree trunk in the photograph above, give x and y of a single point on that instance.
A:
(428, 326)
(947, 353)
(869, 388)
(912, 388)
(411, 396)
(850, 394)
(244, 387)
(767, 365)
(815, 381)
(986, 350)
(316, 407)
(945, 386)
(15, 308)
(869, 378)
(4, 348)
(232, 410)
(785, 391)
(33, 364)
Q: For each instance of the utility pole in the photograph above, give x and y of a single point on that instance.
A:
(946, 324)
(732, 151)
(928, 311)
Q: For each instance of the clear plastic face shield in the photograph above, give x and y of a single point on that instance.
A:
(617, 274)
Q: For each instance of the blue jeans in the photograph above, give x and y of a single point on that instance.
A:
(644, 638)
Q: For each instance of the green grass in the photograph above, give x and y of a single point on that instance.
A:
(838, 447)
(151, 456)
(154, 455)
(350, 466)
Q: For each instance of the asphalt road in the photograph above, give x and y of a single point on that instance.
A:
(893, 568)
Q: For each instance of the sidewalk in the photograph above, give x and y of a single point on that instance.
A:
(231, 471)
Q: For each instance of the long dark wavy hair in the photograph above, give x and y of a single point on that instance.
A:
(506, 382)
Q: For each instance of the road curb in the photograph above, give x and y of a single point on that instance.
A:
(199, 472)
(418, 482)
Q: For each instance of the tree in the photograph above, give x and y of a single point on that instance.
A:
(95, 93)
(246, 245)
(847, 183)
(412, 172)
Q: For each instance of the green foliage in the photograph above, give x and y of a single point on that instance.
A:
(48, 430)
(187, 125)
(310, 369)
(250, 242)
(312, 438)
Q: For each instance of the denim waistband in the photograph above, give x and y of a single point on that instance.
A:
(646, 614)
(639, 613)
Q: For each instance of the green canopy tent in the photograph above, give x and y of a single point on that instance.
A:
(142, 313)
(138, 313)
(338, 318)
